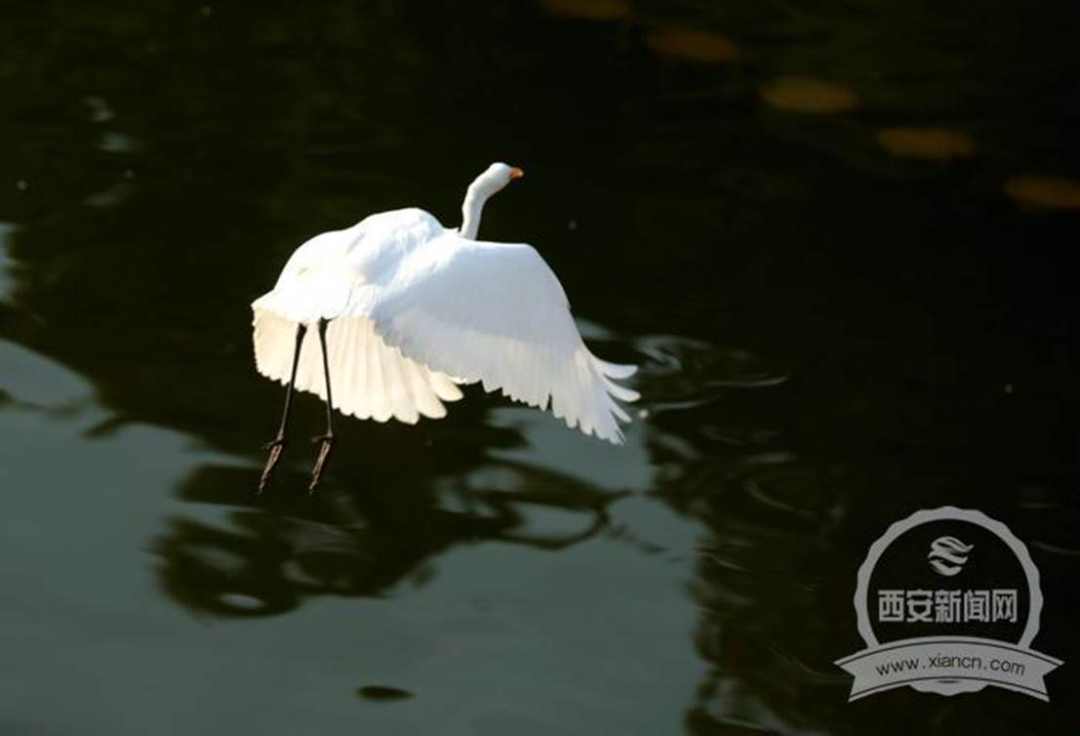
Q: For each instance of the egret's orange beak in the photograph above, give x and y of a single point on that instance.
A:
(516, 173)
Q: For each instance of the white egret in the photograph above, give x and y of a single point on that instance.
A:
(405, 310)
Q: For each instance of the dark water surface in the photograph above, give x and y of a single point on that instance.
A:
(841, 318)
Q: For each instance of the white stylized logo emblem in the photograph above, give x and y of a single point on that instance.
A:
(948, 555)
(933, 629)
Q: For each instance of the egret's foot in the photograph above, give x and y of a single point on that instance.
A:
(326, 444)
(275, 446)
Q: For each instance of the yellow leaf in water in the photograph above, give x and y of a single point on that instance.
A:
(804, 94)
(693, 45)
(1044, 191)
(936, 144)
(588, 9)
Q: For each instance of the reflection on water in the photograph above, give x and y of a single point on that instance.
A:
(804, 94)
(32, 382)
(1044, 192)
(927, 143)
(360, 545)
(589, 9)
(6, 264)
(829, 338)
(692, 44)
(684, 373)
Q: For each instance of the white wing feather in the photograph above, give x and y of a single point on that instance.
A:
(497, 314)
(369, 379)
(412, 304)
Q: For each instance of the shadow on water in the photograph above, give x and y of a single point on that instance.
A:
(858, 336)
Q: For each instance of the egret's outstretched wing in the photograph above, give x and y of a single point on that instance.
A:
(370, 379)
(496, 313)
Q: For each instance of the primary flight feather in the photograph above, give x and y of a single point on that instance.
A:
(406, 310)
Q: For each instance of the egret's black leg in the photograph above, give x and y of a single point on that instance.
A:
(326, 441)
(276, 445)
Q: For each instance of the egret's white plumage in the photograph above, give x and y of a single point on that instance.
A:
(416, 308)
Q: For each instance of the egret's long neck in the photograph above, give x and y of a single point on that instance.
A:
(471, 209)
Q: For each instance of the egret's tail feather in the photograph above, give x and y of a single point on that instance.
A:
(368, 378)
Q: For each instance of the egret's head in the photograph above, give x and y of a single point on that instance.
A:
(495, 177)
